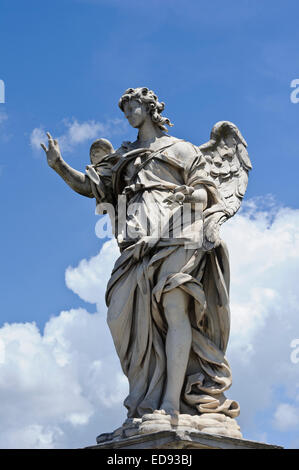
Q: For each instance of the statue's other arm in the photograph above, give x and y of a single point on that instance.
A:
(75, 179)
(191, 191)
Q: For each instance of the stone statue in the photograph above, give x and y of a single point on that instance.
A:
(168, 299)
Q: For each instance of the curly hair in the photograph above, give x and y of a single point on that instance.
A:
(148, 97)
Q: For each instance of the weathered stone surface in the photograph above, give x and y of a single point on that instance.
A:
(211, 423)
(181, 440)
(168, 295)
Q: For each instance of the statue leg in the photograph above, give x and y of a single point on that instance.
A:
(178, 344)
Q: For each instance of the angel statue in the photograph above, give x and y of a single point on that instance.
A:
(168, 299)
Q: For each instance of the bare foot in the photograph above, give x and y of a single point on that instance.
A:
(159, 412)
(169, 409)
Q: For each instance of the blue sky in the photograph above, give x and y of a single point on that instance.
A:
(66, 62)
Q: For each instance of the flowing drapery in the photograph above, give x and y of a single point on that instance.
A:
(145, 271)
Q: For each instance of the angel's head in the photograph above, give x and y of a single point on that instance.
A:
(140, 103)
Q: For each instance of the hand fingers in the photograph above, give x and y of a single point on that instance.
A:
(56, 144)
(180, 198)
(44, 147)
(187, 190)
(50, 140)
(168, 201)
(181, 189)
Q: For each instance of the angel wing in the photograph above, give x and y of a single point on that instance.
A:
(228, 165)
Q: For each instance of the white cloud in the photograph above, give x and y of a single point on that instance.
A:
(286, 417)
(33, 436)
(37, 137)
(264, 257)
(3, 117)
(90, 277)
(263, 242)
(78, 132)
(55, 384)
(63, 387)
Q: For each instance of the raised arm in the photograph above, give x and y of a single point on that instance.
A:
(75, 179)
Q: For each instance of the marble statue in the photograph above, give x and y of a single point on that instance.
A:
(168, 299)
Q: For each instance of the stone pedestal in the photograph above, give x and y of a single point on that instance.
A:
(161, 431)
(180, 440)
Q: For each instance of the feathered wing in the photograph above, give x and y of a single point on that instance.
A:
(228, 165)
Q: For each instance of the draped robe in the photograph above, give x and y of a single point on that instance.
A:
(146, 270)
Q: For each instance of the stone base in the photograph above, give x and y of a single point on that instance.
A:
(161, 431)
(181, 440)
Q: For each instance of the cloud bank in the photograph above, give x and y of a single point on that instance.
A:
(63, 386)
(58, 388)
(77, 133)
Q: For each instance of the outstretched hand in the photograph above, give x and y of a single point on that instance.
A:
(53, 152)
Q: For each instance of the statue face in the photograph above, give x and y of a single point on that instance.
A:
(135, 112)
